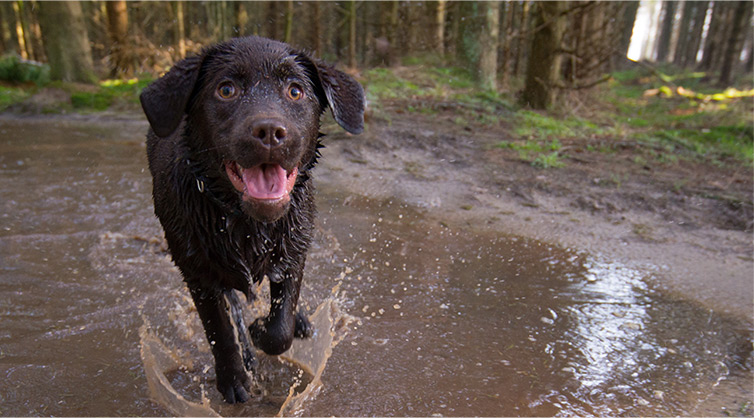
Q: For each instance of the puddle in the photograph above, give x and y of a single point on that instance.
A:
(440, 321)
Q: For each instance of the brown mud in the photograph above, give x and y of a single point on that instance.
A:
(688, 222)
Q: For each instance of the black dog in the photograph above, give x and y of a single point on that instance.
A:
(234, 135)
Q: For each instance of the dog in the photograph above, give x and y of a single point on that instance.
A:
(233, 137)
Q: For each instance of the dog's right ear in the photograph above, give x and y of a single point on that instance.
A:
(164, 101)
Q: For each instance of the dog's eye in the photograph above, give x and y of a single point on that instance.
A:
(295, 92)
(226, 90)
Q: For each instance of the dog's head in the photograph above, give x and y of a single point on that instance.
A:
(252, 108)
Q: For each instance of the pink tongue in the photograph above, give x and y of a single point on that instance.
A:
(266, 181)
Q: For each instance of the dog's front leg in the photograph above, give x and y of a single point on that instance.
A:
(232, 380)
(274, 334)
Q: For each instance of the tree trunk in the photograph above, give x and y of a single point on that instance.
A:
(734, 44)
(694, 36)
(392, 33)
(683, 39)
(506, 35)
(715, 36)
(66, 41)
(35, 34)
(352, 34)
(20, 30)
(543, 71)
(488, 43)
(117, 30)
(23, 9)
(180, 29)
(627, 30)
(440, 28)
(666, 33)
(521, 42)
(7, 29)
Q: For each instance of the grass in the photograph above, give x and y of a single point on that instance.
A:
(108, 93)
(712, 124)
(12, 94)
(708, 124)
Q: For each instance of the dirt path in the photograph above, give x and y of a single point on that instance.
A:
(688, 224)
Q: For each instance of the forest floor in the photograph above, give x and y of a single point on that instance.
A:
(629, 171)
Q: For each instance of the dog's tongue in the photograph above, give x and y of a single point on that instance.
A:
(265, 181)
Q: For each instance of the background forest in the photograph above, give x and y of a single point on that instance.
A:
(549, 46)
(687, 86)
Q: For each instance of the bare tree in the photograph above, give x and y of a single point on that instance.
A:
(666, 32)
(543, 71)
(439, 33)
(488, 44)
(741, 16)
(117, 30)
(66, 41)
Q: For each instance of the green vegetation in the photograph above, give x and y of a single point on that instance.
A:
(10, 95)
(16, 86)
(108, 93)
(14, 70)
(667, 115)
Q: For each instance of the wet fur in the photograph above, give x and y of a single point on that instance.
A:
(219, 241)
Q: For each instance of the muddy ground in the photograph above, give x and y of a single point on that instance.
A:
(689, 223)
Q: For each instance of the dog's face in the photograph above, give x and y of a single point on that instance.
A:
(252, 109)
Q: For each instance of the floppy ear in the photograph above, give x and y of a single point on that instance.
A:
(344, 95)
(165, 100)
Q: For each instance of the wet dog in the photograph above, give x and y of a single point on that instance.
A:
(234, 135)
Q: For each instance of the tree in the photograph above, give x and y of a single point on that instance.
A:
(117, 30)
(7, 30)
(735, 42)
(691, 32)
(488, 43)
(715, 36)
(351, 18)
(180, 30)
(543, 71)
(20, 36)
(439, 33)
(627, 25)
(66, 42)
(666, 33)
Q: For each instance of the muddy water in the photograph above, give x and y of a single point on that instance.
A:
(449, 320)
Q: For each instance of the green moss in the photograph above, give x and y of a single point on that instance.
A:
(10, 95)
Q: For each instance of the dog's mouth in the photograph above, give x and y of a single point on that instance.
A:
(267, 182)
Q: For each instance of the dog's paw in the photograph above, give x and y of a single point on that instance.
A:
(304, 328)
(234, 387)
(249, 359)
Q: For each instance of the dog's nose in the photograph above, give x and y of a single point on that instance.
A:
(271, 133)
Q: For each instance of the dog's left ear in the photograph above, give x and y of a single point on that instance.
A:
(342, 93)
